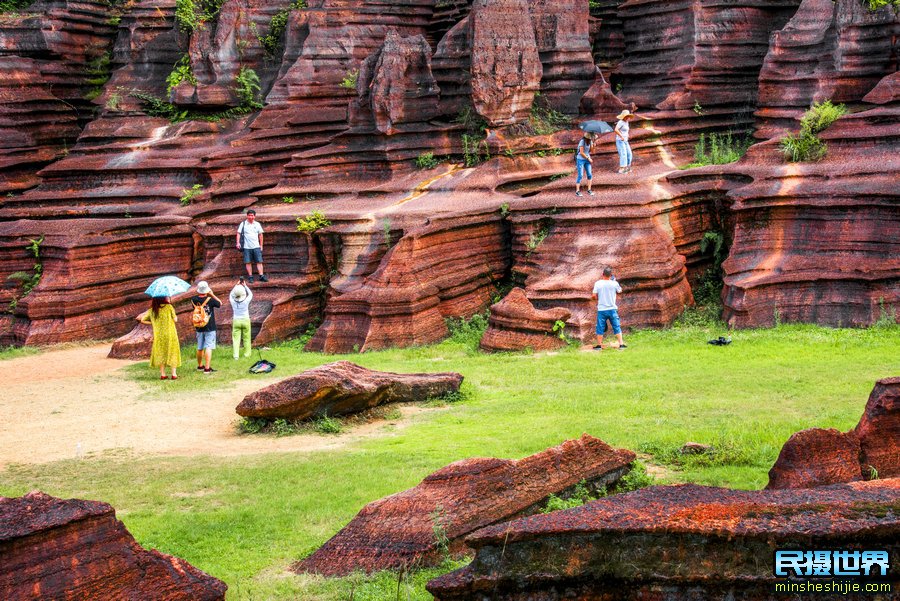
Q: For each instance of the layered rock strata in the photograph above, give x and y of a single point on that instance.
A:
(828, 51)
(816, 242)
(674, 542)
(342, 388)
(72, 549)
(515, 325)
(817, 457)
(399, 531)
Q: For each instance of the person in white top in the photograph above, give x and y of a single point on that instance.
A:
(240, 298)
(623, 131)
(250, 242)
(605, 290)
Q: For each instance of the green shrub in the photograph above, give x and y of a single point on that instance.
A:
(468, 332)
(180, 72)
(349, 82)
(544, 120)
(312, 222)
(246, 86)
(504, 210)
(191, 14)
(635, 479)
(806, 146)
(251, 425)
(821, 115)
(878, 4)
(277, 27)
(475, 151)
(188, 195)
(471, 121)
(426, 160)
(157, 107)
(719, 149)
(327, 425)
(287, 199)
(14, 6)
(580, 495)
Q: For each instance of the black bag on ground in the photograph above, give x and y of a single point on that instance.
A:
(262, 366)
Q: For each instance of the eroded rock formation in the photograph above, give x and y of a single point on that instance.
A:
(363, 102)
(399, 530)
(515, 325)
(816, 457)
(673, 542)
(341, 388)
(72, 549)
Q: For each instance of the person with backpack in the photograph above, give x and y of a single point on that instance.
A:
(203, 318)
(250, 242)
(584, 163)
(240, 298)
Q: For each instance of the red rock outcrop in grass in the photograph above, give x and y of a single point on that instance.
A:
(817, 457)
(515, 325)
(682, 542)
(399, 530)
(342, 388)
(72, 549)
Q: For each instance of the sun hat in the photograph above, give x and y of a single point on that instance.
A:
(239, 293)
(203, 287)
(625, 113)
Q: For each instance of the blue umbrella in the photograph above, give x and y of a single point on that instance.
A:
(596, 127)
(167, 285)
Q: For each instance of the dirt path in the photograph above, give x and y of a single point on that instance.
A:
(62, 404)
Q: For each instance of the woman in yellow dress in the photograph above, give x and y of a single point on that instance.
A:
(166, 349)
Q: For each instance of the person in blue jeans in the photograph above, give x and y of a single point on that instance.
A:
(605, 290)
(584, 163)
(622, 131)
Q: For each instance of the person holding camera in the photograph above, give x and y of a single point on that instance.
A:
(250, 242)
(240, 298)
(605, 290)
(203, 317)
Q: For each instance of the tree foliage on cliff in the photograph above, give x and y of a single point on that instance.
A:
(191, 14)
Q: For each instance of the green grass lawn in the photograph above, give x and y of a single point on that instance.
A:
(246, 519)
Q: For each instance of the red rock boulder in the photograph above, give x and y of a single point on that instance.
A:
(72, 549)
(816, 457)
(687, 542)
(879, 430)
(399, 530)
(341, 388)
(515, 325)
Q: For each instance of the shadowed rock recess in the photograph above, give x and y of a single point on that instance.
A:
(132, 140)
(72, 549)
(401, 530)
(687, 542)
(341, 388)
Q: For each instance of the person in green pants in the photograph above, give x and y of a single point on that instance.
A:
(240, 298)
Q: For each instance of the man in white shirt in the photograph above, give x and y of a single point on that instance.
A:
(250, 241)
(605, 290)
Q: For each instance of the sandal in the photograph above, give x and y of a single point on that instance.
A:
(174, 377)
(164, 377)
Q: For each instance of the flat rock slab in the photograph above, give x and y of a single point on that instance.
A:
(399, 530)
(817, 457)
(684, 542)
(72, 549)
(342, 388)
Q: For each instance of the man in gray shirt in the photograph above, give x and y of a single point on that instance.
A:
(605, 290)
